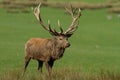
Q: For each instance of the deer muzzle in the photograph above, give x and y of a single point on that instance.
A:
(67, 45)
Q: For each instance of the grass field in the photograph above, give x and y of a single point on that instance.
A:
(90, 1)
(94, 46)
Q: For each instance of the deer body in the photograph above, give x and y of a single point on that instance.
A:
(38, 49)
(49, 50)
(44, 49)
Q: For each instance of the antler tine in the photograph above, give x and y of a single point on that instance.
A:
(73, 25)
(38, 16)
(79, 13)
(49, 26)
(53, 32)
(61, 30)
(70, 11)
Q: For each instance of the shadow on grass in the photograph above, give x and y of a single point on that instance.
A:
(62, 74)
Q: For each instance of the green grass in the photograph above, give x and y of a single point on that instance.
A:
(90, 1)
(94, 46)
(62, 74)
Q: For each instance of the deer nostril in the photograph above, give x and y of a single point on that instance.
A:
(68, 45)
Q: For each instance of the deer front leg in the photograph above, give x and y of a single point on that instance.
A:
(49, 66)
(40, 65)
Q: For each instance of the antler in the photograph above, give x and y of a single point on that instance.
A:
(38, 16)
(49, 29)
(71, 28)
(73, 25)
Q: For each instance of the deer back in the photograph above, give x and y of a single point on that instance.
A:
(38, 48)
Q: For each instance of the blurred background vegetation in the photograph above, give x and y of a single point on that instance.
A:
(111, 5)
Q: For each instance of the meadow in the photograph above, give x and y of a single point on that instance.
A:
(95, 46)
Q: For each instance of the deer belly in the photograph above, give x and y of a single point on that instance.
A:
(40, 55)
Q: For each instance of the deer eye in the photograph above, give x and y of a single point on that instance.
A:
(60, 38)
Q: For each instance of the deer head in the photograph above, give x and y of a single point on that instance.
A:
(62, 36)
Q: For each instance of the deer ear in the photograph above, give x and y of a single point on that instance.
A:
(69, 35)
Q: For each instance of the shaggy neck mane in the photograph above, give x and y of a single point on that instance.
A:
(56, 50)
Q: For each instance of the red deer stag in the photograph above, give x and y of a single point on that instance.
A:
(49, 50)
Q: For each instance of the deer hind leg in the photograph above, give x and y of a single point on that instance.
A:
(40, 65)
(27, 60)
